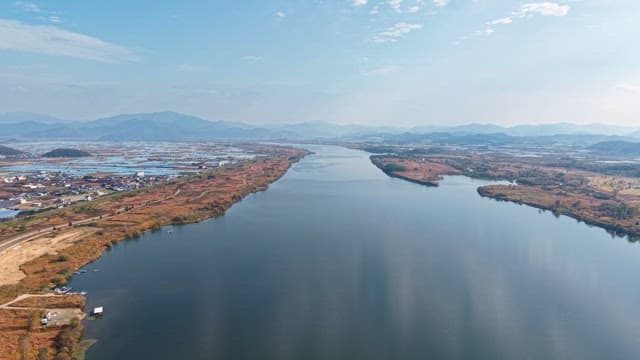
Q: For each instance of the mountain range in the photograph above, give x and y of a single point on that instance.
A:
(172, 126)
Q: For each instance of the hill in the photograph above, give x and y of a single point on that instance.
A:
(66, 153)
(618, 147)
(7, 151)
(20, 117)
(172, 126)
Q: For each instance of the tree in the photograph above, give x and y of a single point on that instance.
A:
(43, 354)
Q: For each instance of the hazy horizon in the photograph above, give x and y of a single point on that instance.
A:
(400, 63)
(291, 123)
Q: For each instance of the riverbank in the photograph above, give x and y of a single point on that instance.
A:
(609, 202)
(420, 172)
(608, 215)
(58, 243)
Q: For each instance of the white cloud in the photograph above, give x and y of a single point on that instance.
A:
(27, 6)
(395, 4)
(543, 8)
(381, 71)
(252, 58)
(441, 3)
(629, 88)
(280, 14)
(52, 40)
(375, 10)
(191, 68)
(393, 33)
(502, 21)
(42, 14)
(359, 2)
(413, 9)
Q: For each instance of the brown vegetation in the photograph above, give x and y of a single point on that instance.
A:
(118, 217)
(608, 201)
(615, 215)
(52, 302)
(423, 172)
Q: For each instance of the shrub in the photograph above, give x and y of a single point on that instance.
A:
(59, 280)
(61, 258)
(389, 168)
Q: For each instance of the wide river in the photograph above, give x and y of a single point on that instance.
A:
(338, 261)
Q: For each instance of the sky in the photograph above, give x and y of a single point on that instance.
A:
(384, 62)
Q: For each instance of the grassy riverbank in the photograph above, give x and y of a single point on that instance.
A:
(608, 201)
(82, 233)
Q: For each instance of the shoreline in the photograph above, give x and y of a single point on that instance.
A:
(575, 205)
(489, 192)
(185, 201)
(423, 173)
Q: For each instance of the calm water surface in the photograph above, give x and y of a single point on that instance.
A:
(338, 261)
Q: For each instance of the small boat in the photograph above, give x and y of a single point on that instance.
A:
(83, 293)
(63, 290)
(83, 271)
(97, 311)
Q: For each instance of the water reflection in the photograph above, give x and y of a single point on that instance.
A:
(338, 261)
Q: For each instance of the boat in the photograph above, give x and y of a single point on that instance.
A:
(97, 311)
(63, 290)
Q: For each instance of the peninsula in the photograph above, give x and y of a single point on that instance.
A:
(43, 251)
(604, 194)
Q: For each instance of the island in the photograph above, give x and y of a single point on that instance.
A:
(419, 171)
(7, 151)
(43, 251)
(66, 153)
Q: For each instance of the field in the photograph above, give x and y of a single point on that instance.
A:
(44, 250)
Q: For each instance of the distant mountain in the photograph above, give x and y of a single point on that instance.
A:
(567, 129)
(530, 130)
(163, 126)
(7, 151)
(20, 117)
(473, 128)
(66, 153)
(322, 129)
(616, 148)
(497, 139)
(172, 126)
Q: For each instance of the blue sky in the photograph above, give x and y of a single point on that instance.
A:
(391, 62)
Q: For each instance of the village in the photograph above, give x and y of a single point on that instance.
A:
(30, 184)
(30, 194)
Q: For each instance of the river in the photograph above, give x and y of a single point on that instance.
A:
(338, 261)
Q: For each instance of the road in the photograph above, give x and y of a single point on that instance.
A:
(8, 243)
(58, 316)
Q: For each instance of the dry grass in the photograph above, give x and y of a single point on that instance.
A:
(34, 265)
